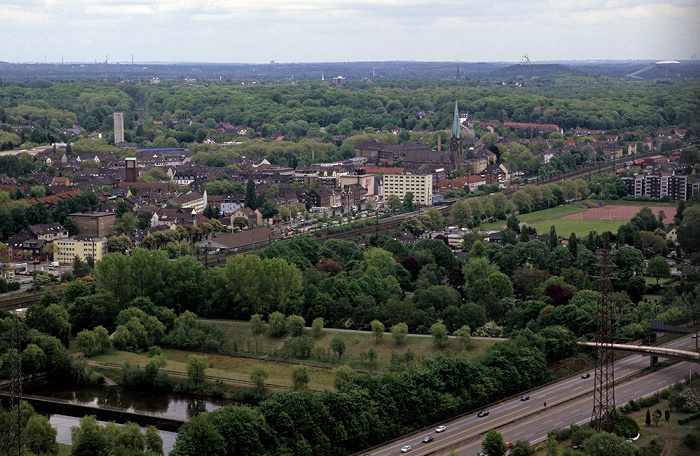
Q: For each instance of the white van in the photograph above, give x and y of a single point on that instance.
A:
(54, 265)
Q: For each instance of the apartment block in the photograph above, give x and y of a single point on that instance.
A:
(82, 247)
(420, 185)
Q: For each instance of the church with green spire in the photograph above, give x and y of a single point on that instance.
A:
(456, 142)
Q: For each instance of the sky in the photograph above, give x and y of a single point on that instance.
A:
(296, 31)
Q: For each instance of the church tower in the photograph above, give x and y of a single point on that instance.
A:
(456, 143)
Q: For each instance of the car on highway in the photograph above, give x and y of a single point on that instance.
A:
(440, 429)
(406, 449)
(483, 413)
(525, 398)
(586, 375)
(427, 439)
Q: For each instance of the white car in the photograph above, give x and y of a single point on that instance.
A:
(406, 449)
(440, 429)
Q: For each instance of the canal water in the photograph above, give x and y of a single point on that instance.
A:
(167, 405)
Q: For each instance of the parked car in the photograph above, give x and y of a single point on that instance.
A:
(509, 445)
(440, 429)
(427, 439)
(483, 413)
(586, 375)
(406, 449)
(525, 398)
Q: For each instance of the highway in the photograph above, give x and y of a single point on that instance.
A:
(568, 401)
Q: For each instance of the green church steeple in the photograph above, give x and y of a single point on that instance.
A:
(455, 124)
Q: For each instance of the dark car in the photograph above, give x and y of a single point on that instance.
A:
(427, 438)
(483, 413)
(525, 398)
(586, 375)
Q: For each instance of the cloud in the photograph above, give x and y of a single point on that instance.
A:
(304, 30)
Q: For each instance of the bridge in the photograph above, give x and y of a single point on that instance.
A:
(654, 352)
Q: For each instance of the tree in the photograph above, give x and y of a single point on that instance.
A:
(196, 366)
(50, 251)
(656, 416)
(143, 220)
(658, 268)
(648, 418)
(154, 442)
(86, 342)
(435, 219)
(338, 345)
(33, 359)
(413, 225)
(552, 446)
(295, 325)
(317, 327)
(629, 262)
(277, 324)
(342, 376)
(464, 337)
(118, 244)
(439, 333)
(605, 444)
(393, 202)
(268, 210)
(460, 213)
(573, 245)
(493, 444)
(40, 435)
(126, 222)
(258, 375)
(377, 330)
(250, 199)
(257, 325)
(300, 377)
(407, 203)
(689, 230)
(399, 332)
(240, 222)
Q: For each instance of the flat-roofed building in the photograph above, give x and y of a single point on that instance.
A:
(95, 224)
(82, 247)
(420, 185)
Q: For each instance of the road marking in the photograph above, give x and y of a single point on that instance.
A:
(470, 429)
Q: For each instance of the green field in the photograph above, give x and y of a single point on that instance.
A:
(540, 216)
(322, 361)
(565, 227)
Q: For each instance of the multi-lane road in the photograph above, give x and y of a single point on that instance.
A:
(568, 401)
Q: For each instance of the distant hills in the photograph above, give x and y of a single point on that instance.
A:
(531, 70)
(289, 72)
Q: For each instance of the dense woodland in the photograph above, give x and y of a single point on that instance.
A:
(317, 110)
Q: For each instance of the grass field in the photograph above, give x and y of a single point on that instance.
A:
(632, 203)
(323, 359)
(540, 216)
(565, 227)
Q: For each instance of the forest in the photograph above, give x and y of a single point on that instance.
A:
(318, 110)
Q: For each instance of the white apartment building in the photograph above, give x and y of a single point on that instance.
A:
(420, 185)
(82, 246)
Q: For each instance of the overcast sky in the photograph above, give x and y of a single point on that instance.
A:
(258, 31)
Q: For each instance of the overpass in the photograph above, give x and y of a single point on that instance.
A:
(653, 352)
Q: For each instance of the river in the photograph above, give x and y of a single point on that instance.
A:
(166, 405)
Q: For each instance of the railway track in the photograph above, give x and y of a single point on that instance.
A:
(24, 301)
(395, 221)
